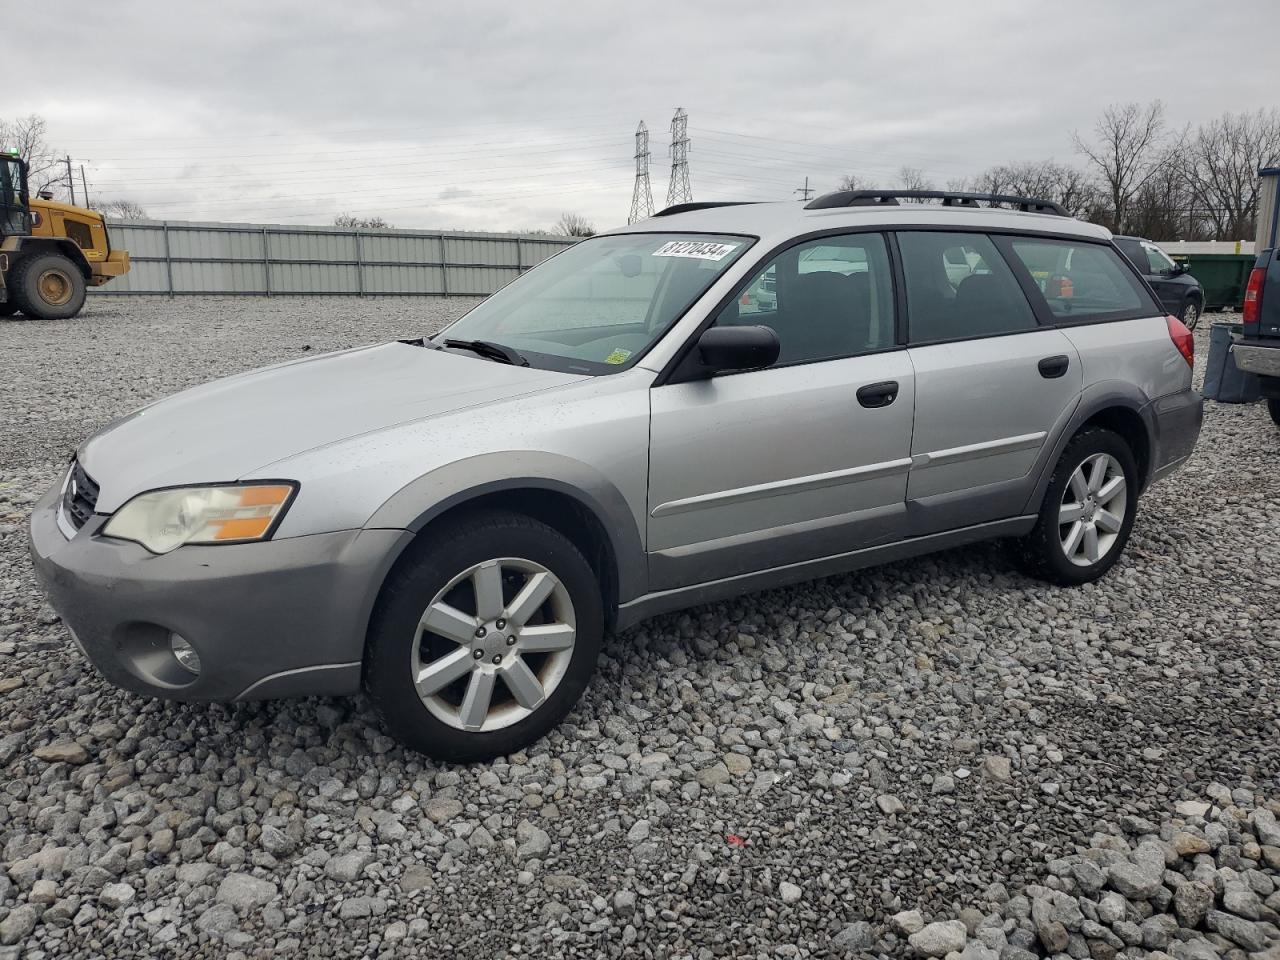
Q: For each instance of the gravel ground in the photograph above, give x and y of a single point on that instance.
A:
(775, 776)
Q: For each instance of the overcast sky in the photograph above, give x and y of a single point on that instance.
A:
(500, 115)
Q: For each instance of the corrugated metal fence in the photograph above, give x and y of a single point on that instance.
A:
(175, 258)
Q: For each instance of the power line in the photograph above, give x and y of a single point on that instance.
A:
(641, 194)
(678, 189)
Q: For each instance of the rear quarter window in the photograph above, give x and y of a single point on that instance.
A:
(1082, 282)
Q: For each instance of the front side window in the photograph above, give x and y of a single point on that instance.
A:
(959, 287)
(1158, 260)
(599, 305)
(825, 298)
(1082, 281)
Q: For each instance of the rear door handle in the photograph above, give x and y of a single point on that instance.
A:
(1053, 367)
(878, 394)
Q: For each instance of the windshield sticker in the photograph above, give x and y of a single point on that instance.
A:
(618, 356)
(696, 249)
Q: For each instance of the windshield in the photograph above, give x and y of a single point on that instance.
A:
(599, 305)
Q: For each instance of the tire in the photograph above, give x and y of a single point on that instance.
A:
(1190, 315)
(1273, 408)
(443, 572)
(8, 308)
(47, 286)
(1045, 550)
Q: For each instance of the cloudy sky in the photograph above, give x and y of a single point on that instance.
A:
(500, 116)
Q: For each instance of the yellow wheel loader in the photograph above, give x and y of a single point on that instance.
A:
(50, 253)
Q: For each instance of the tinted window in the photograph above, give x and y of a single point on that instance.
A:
(958, 286)
(827, 298)
(1134, 252)
(1081, 281)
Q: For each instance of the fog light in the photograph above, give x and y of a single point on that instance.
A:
(185, 654)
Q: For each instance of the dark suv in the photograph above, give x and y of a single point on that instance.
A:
(1179, 292)
(1257, 349)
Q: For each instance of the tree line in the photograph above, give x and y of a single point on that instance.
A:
(1139, 176)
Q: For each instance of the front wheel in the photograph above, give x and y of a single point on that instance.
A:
(1088, 510)
(484, 638)
(1190, 314)
(1273, 408)
(48, 286)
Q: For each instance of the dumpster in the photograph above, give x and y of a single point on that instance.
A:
(1223, 380)
(1222, 276)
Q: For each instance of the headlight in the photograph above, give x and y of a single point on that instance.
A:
(164, 520)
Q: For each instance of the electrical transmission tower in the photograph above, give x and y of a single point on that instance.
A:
(642, 195)
(678, 190)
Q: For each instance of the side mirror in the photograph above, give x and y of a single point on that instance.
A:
(737, 348)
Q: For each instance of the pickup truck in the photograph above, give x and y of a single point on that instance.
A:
(1257, 349)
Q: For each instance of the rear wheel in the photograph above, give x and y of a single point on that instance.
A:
(1273, 408)
(485, 638)
(1190, 314)
(1088, 510)
(47, 286)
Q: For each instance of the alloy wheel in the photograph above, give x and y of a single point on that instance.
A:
(1092, 511)
(493, 644)
(1191, 315)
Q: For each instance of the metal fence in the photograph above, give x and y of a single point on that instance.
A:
(178, 258)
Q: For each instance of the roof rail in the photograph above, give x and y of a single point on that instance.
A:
(700, 205)
(949, 198)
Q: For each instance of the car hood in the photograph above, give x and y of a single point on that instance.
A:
(223, 430)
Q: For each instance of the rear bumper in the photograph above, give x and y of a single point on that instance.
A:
(274, 619)
(1260, 358)
(1175, 421)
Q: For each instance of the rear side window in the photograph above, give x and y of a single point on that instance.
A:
(959, 287)
(1082, 281)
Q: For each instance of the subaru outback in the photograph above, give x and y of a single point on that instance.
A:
(454, 522)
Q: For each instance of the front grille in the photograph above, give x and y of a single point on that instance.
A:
(80, 496)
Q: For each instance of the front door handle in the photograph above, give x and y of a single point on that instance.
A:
(1051, 368)
(875, 395)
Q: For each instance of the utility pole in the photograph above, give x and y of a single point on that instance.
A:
(678, 189)
(641, 195)
(804, 191)
(84, 183)
(71, 183)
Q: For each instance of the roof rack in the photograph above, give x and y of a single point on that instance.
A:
(949, 198)
(700, 205)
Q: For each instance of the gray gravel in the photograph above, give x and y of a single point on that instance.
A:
(791, 774)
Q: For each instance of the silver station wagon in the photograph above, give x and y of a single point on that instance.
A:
(724, 398)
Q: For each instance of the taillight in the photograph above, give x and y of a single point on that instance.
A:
(1251, 315)
(1182, 339)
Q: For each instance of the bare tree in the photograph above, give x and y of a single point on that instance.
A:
(1068, 186)
(27, 136)
(913, 178)
(122, 210)
(574, 225)
(351, 220)
(1126, 149)
(851, 181)
(1220, 164)
(1162, 207)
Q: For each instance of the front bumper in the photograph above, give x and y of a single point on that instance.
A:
(273, 619)
(1176, 421)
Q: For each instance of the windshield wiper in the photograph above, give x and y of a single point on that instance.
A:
(490, 351)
